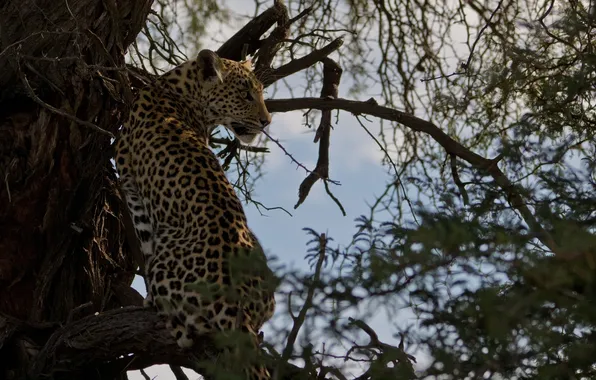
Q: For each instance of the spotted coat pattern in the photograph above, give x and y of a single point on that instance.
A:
(204, 269)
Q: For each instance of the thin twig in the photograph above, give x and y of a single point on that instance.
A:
(457, 180)
(178, 372)
(145, 376)
(248, 148)
(334, 198)
(486, 25)
(308, 302)
(465, 66)
(60, 112)
(300, 15)
(292, 157)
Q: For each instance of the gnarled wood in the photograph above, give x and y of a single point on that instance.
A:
(61, 236)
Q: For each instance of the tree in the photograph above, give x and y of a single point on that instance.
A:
(484, 232)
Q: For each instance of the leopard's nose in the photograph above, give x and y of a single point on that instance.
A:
(265, 122)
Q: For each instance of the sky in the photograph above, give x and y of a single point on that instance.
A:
(355, 161)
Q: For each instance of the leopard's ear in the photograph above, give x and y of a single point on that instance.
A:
(211, 66)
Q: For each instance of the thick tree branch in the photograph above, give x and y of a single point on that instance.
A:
(98, 339)
(111, 343)
(251, 33)
(451, 146)
(271, 45)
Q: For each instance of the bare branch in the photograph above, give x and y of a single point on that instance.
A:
(331, 78)
(299, 320)
(301, 63)
(460, 185)
(451, 146)
(271, 45)
(292, 157)
(57, 111)
(145, 376)
(178, 372)
(251, 33)
(136, 336)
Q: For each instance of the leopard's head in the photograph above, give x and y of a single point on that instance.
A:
(233, 95)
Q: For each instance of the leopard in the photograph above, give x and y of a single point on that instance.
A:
(204, 268)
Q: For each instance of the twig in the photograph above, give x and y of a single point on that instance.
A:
(292, 157)
(178, 372)
(60, 112)
(486, 25)
(337, 202)
(308, 302)
(331, 78)
(457, 180)
(35, 35)
(466, 65)
(145, 376)
(34, 71)
(301, 63)
(443, 76)
(451, 147)
(300, 15)
(229, 152)
(248, 148)
(381, 147)
(384, 351)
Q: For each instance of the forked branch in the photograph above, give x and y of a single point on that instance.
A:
(451, 146)
(331, 78)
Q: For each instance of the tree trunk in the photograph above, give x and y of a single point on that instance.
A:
(63, 91)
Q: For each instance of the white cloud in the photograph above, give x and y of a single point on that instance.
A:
(288, 124)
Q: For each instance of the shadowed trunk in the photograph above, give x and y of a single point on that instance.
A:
(62, 247)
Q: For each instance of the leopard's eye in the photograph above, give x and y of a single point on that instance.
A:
(248, 96)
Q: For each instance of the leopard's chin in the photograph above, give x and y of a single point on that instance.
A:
(245, 133)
